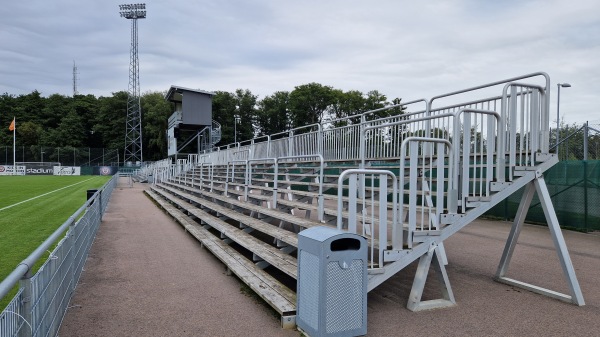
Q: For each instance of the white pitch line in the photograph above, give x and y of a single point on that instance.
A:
(41, 195)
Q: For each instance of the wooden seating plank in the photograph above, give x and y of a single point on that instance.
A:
(270, 254)
(278, 296)
(304, 223)
(273, 231)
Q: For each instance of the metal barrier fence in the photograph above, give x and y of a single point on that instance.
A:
(42, 300)
(578, 142)
(67, 156)
(574, 187)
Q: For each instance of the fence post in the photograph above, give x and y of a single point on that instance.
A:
(26, 329)
(585, 140)
(70, 240)
(585, 195)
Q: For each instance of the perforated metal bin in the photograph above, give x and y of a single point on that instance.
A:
(332, 283)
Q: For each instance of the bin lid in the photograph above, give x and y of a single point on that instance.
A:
(323, 233)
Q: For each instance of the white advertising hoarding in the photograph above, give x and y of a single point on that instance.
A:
(8, 170)
(67, 170)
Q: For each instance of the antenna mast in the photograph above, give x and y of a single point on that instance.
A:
(133, 130)
(75, 92)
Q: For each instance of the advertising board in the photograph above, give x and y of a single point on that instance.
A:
(8, 170)
(105, 170)
(67, 170)
(39, 169)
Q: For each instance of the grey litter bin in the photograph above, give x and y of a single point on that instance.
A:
(332, 283)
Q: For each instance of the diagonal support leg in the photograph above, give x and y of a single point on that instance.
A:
(539, 185)
(515, 231)
(416, 293)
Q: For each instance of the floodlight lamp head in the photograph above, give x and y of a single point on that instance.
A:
(565, 85)
(133, 11)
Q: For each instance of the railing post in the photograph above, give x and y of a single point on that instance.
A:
(454, 169)
(290, 143)
(275, 179)
(512, 141)
(363, 141)
(320, 140)
(248, 171)
(466, 162)
(26, 329)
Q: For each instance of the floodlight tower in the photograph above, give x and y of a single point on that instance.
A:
(133, 131)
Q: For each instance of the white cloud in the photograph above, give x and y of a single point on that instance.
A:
(403, 49)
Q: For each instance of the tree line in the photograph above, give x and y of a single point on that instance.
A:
(99, 122)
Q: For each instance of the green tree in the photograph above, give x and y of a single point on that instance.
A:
(376, 100)
(56, 107)
(309, 103)
(86, 107)
(28, 107)
(29, 133)
(72, 131)
(272, 115)
(7, 112)
(155, 122)
(224, 109)
(109, 122)
(347, 104)
(246, 110)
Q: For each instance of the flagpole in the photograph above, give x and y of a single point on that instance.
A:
(15, 146)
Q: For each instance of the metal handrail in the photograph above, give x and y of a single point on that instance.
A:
(352, 210)
(321, 207)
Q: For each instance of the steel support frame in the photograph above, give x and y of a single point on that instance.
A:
(539, 185)
(435, 255)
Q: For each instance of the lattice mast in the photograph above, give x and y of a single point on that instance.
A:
(75, 92)
(133, 129)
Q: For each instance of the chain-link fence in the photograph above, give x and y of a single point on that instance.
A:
(574, 187)
(66, 156)
(577, 142)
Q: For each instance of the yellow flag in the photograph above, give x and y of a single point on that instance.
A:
(12, 125)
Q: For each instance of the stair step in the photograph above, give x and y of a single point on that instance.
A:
(278, 233)
(268, 253)
(277, 295)
(303, 223)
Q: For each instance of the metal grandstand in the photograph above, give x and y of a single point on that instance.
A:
(405, 182)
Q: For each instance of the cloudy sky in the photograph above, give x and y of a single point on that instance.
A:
(408, 49)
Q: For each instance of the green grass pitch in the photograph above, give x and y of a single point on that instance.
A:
(23, 227)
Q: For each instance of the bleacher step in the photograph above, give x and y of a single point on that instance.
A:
(273, 231)
(277, 295)
(268, 253)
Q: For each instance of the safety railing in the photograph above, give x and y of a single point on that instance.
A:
(524, 120)
(489, 136)
(262, 148)
(206, 174)
(319, 175)
(427, 188)
(367, 215)
(43, 298)
(231, 174)
(269, 162)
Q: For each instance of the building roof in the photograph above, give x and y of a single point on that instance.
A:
(175, 92)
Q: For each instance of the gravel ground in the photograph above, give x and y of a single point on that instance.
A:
(146, 277)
